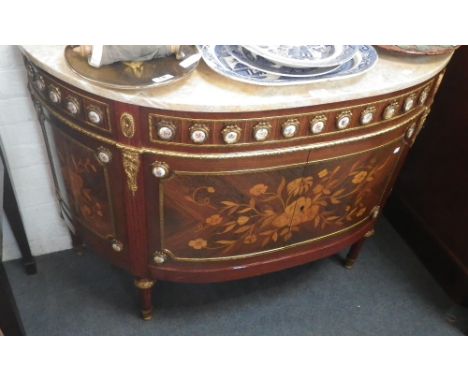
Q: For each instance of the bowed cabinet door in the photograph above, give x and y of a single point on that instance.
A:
(86, 174)
(209, 210)
(216, 213)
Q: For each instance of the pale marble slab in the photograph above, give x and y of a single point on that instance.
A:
(206, 91)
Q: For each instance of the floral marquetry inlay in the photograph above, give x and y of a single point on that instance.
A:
(85, 176)
(258, 212)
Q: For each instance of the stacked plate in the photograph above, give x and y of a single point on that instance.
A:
(280, 65)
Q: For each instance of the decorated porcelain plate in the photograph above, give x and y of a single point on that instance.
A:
(136, 75)
(305, 56)
(261, 63)
(218, 58)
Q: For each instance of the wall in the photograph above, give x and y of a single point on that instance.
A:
(27, 158)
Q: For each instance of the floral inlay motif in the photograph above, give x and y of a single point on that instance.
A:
(329, 197)
(198, 243)
(85, 180)
(89, 207)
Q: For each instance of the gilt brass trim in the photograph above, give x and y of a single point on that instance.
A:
(440, 77)
(53, 89)
(160, 170)
(295, 115)
(96, 109)
(159, 257)
(261, 253)
(368, 110)
(290, 122)
(103, 155)
(127, 125)
(248, 154)
(344, 114)
(374, 214)
(199, 127)
(144, 283)
(39, 83)
(411, 133)
(73, 100)
(117, 245)
(260, 126)
(259, 143)
(161, 214)
(394, 105)
(131, 164)
(147, 314)
(88, 99)
(424, 115)
(424, 95)
(316, 119)
(285, 150)
(409, 102)
(229, 129)
(369, 233)
(161, 125)
(272, 168)
(310, 115)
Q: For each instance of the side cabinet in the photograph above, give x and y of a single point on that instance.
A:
(207, 197)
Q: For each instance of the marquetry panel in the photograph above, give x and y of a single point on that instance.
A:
(210, 217)
(88, 185)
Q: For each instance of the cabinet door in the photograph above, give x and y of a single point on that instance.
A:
(218, 209)
(86, 180)
(209, 216)
(87, 175)
(338, 194)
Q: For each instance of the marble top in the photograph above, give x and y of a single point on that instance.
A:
(206, 91)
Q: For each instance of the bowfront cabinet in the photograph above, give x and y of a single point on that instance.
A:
(212, 196)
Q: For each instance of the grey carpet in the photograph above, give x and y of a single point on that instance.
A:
(388, 292)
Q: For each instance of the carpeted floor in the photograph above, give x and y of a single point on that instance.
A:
(388, 292)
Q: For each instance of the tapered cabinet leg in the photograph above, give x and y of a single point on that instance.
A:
(145, 291)
(355, 250)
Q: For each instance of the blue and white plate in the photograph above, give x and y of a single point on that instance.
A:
(261, 63)
(218, 58)
(305, 56)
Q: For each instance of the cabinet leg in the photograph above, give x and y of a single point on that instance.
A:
(355, 250)
(145, 291)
